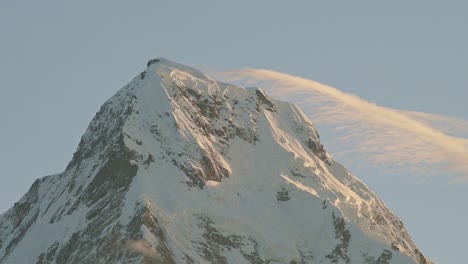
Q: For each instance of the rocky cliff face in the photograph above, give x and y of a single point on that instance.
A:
(180, 168)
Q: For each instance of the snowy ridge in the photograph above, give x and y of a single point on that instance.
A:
(180, 168)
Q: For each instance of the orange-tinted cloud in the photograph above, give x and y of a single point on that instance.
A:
(399, 141)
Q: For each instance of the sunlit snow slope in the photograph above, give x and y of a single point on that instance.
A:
(179, 168)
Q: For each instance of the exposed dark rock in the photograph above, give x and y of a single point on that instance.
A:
(385, 257)
(420, 256)
(71, 246)
(20, 217)
(52, 251)
(215, 243)
(296, 173)
(106, 240)
(341, 233)
(188, 259)
(49, 257)
(115, 176)
(40, 259)
(148, 161)
(318, 149)
(306, 257)
(212, 168)
(262, 99)
(324, 205)
(282, 195)
(153, 61)
(144, 217)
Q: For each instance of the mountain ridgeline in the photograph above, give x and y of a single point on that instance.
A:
(177, 167)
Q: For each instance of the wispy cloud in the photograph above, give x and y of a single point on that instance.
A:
(144, 248)
(360, 131)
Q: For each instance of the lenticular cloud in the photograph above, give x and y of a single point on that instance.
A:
(359, 131)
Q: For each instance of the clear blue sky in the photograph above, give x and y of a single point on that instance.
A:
(60, 60)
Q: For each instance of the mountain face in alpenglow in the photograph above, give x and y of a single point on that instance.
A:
(177, 167)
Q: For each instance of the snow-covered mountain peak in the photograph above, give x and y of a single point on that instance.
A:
(177, 167)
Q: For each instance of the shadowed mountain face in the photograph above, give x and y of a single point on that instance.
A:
(179, 168)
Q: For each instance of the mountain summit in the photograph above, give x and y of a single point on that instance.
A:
(177, 167)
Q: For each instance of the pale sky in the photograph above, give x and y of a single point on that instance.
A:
(60, 60)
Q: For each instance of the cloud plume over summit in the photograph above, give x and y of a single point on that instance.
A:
(397, 141)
